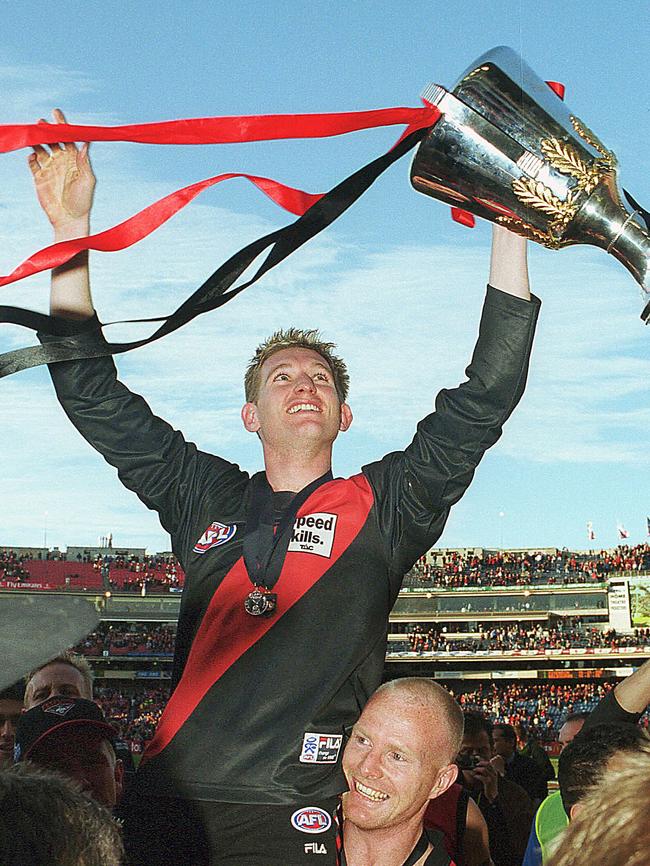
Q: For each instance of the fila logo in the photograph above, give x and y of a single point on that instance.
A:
(311, 819)
(216, 534)
(313, 533)
(315, 848)
(320, 748)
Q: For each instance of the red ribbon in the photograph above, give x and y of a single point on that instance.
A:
(212, 130)
(215, 130)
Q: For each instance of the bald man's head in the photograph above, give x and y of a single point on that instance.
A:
(400, 754)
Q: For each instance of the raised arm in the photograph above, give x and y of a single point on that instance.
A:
(152, 458)
(417, 487)
(509, 263)
(65, 184)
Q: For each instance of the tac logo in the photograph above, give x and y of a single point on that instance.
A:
(313, 533)
(214, 535)
(320, 748)
(311, 819)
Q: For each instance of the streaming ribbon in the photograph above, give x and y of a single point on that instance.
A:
(315, 211)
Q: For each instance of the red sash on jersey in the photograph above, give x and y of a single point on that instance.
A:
(227, 631)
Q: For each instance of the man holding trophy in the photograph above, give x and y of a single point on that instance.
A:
(291, 573)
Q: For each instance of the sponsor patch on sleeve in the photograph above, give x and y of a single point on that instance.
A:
(216, 534)
(313, 533)
(320, 748)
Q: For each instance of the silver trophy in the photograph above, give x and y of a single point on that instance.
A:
(509, 150)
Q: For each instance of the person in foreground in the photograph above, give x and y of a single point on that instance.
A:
(45, 820)
(622, 705)
(398, 758)
(71, 736)
(611, 826)
(291, 573)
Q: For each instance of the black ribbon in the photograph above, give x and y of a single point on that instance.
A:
(265, 546)
(217, 289)
(637, 207)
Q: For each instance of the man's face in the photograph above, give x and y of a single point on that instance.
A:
(477, 746)
(84, 755)
(10, 711)
(569, 730)
(297, 402)
(503, 746)
(390, 764)
(59, 679)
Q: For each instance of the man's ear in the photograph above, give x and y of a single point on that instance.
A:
(346, 417)
(575, 810)
(249, 417)
(445, 779)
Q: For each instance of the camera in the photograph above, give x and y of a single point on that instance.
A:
(468, 762)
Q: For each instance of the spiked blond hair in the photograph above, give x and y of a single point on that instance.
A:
(295, 338)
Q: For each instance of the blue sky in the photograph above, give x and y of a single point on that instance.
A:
(394, 282)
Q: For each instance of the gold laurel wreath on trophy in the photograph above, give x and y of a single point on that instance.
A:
(537, 195)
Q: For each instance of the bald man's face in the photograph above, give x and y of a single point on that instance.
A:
(57, 678)
(394, 763)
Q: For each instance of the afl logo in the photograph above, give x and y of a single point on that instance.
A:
(311, 819)
(214, 535)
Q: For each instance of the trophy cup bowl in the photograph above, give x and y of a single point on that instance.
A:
(508, 149)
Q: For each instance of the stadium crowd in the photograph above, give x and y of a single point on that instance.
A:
(449, 570)
(454, 570)
(538, 709)
(138, 639)
(515, 638)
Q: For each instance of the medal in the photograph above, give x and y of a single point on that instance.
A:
(260, 602)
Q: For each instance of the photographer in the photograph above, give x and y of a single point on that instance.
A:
(506, 807)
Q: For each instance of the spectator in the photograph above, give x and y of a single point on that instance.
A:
(611, 826)
(71, 736)
(572, 726)
(622, 705)
(455, 814)
(67, 675)
(518, 768)
(45, 820)
(529, 747)
(11, 705)
(506, 807)
(583, 761)
(397, 759)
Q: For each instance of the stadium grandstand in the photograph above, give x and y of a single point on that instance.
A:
(524, 636)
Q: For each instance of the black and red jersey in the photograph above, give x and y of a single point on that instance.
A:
(260, 705)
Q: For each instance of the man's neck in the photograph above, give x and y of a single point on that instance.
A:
(390, 846)
(295, 472)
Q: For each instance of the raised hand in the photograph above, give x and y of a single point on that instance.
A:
(64, 181)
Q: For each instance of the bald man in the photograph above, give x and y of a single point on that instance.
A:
(399, 757)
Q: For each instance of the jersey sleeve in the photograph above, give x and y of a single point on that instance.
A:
(152, 458)
(610, 712)
(416, 487)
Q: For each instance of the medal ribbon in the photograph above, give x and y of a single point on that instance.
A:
(265, 550)
(218, 288)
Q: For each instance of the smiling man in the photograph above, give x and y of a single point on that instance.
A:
(290, 573)
(398, 758)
